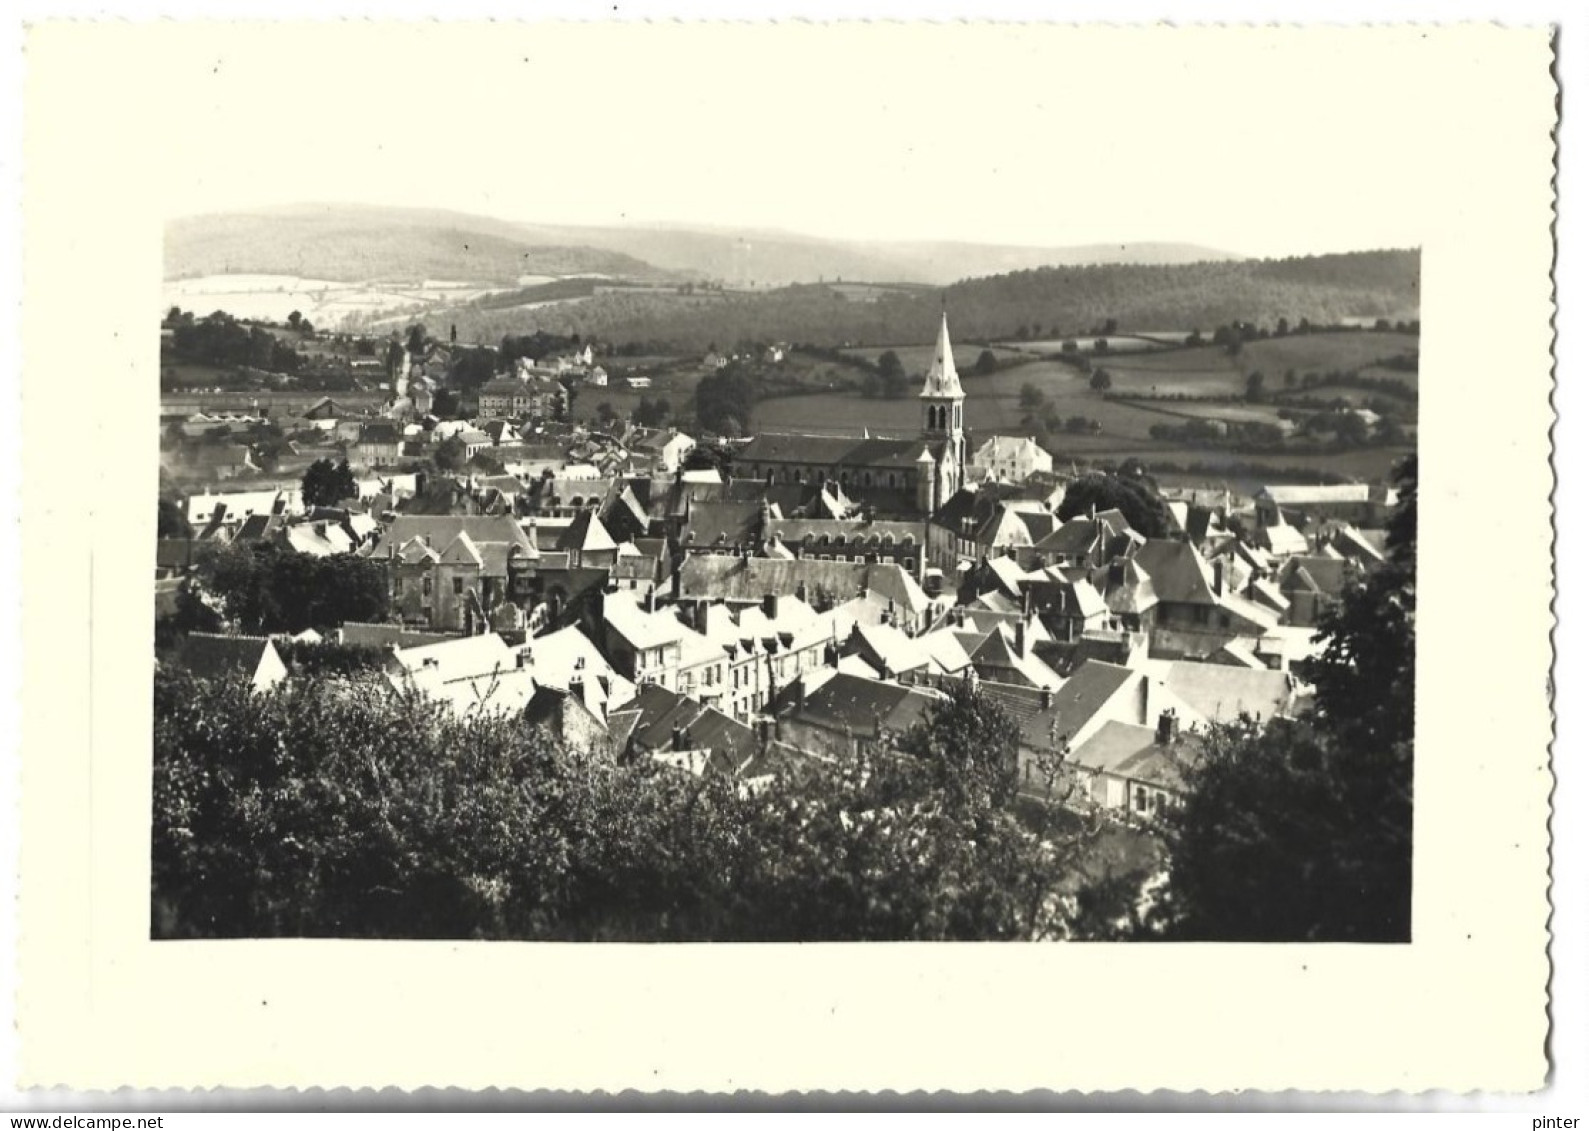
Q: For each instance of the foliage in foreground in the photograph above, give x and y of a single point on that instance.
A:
(335, 807)
(1303, 830)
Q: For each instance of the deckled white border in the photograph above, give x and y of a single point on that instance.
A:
(1427, 267)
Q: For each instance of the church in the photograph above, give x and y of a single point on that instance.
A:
(895, 477)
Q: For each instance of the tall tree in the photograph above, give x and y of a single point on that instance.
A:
(326, 484)
(1302, 830)
(1135, 497)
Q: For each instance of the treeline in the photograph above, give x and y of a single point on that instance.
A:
(266, 589)
(341, 807)
(220, 339)
(1322, 290)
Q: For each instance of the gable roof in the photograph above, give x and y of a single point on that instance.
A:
(1133, 752)
(585, 533)
(859, 705)
(213, 654)
(1073, 705)
(461, 551)
(1220, 692)
(1177, 570)
(996, 659)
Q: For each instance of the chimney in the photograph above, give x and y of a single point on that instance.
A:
(678, 737)
(769, 605)
(1048, 699)
(1169, 727)
(523, 658)
(651, 599)
(800, 591)
(960, 616)
(1219, 579)
(800, 693)
(1020, 638)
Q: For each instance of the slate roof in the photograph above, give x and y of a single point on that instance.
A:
(1220, 692)
(211, 654)
(996, 659)
(708, 577)
(859, 705)
(1132, 752)
(1301, 496)
(723, 524)
(380, 432)
(1177, 570)
(1074, 704)
(586, 533)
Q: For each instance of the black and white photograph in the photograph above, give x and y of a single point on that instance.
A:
(1046, 574)
(701, 488)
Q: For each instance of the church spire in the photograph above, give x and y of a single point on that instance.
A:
(942, 378)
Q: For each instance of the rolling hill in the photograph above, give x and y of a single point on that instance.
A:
(358, 243)
(1051, 302)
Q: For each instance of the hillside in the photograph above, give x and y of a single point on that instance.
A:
(357, 244)
(749, 258)
(1052, 301)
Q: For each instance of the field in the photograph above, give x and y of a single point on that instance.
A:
(1117, 343)
(329, 305)
(993, 403)
(917, 357)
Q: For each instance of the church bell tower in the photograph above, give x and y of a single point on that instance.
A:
(943, 406)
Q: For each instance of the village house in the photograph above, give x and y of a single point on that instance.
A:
(452, 571)
(379, 444)
(845, 716)
(861, 541)
(1010, 459)
(874, 593)
(1357, 503)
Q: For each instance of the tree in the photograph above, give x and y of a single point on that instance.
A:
(294, 318)
(267, 589)
(889, 365)
(1255, 381)
(606, 414)
(326, 484)
(1032, 398)
(1100, 381)
(416, 339)
(469, 369)
(1135, 498)
(450, 454)
(172, 522)
(652, 414)
(969, 744)
(334, 805)
(1302, 830)
(727, 396)
(987, 364)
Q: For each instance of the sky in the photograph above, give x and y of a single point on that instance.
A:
(1043, 136)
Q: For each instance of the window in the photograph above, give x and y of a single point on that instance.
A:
(457, 587)
(910, 563)
(425, 587)
(1141, 799)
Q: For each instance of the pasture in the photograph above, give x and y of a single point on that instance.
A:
(917, 357)
(1086, 343)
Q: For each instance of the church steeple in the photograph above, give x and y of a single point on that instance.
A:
(943, 420)
(943, 380)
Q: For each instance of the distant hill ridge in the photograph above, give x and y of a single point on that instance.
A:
(357, 243)
(1044, 303)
